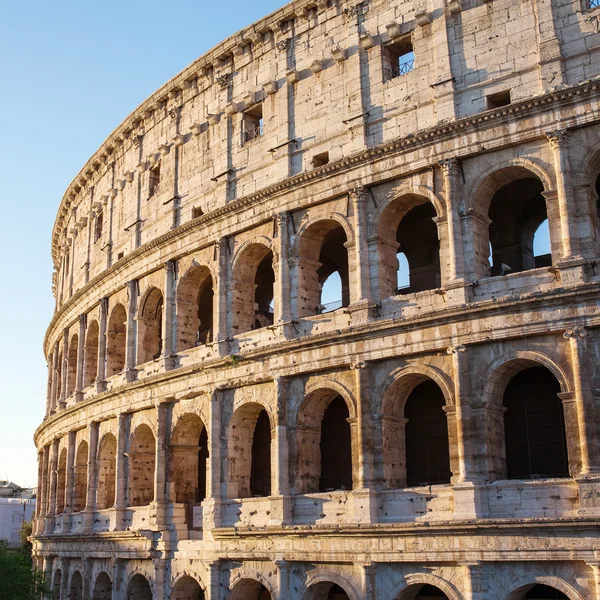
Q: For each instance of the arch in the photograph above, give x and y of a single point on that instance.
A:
(107, 472)
(534, 426)
(195, 294)
(411, 190)
(510, 204)
(138, 588)
(142, 461)
(520, 591)
(187, 588)
(318, 586)
(252, 292)
(252, 589)
(61, 482)
(116, 340)
(72, 365)
(81, 471)
(315, 459)
(56, 581)
(76, 586)
(150, 324)
(189, 461)
(321, 250)
(102, 587)
(249, 466)
(407, 225)
(90, 370)
(414, 584)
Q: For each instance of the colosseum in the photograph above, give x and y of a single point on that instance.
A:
(308, 343)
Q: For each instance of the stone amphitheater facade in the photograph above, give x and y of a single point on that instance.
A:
(216, 429)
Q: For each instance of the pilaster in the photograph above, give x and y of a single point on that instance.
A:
(80, 357)
(101, 368)
(90, 504)
(131, 348)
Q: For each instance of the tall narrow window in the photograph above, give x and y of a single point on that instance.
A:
(253, 125)
(336, 452)
(260, 476)
(594, 3)
(98, 227)
(154, 180)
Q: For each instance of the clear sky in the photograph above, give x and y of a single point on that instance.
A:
(70, 72)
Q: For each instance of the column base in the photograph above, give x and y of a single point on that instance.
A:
(470, 500)
(589, 494)
(361, 312)
(212, 514)
(572, 270)
(130, 374)
(458, 291)
(281, 511)
(364, 506)
(100, 387)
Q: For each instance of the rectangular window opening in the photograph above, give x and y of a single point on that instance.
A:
(398, 58)
(499, 99)
(594, 3)
(98, 227)
(154, 180)
(320, 160)
(252, 125)
(119, 255)
(196, 212)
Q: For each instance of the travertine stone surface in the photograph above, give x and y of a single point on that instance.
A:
(216, 430)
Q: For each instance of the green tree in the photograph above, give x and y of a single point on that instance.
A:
(18, 579)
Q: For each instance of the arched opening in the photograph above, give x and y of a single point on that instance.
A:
(81, 471)
(107, 471)
(90, 370)
(422, 592)
(187, 588)
(534, 426)
(252, 304)
(139, 589)
(150, 334)
(336, 448)
(409, 248)
(322, 253)
(72, 365)
(102, 587)
(116, 341)
(323, 445)
(56, 583)
(142, 458)
(331, 293)
(250, 589)
(325, 590)
(249, 452)
(516, 211)
(195, 308)
(76, 587)
(189, 459)
(61, 481)
(427, 447)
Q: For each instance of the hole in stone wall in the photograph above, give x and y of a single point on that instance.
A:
(498, 99)
(398, 58)
(320, 160)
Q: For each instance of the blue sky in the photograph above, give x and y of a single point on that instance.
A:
(71, 71)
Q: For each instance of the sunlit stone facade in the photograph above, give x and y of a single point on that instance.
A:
(217, 429)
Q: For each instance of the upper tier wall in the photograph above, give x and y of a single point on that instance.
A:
(318, 74)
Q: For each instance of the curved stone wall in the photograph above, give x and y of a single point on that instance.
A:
(306, 344)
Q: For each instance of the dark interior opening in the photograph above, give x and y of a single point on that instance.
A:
(427, 447)
(205, 312)
(334, 258)
(544, 592)
(336, 448)
(260, 476)
(203, 454)
(534, 426)
(263, 295)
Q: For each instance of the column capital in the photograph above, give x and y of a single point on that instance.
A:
(456, 349)
(558, 139)
(359, 194)
(575, 333)
(450, 166)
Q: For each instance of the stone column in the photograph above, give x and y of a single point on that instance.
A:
(473, 582)
(283, 578)
(64, 369)
(64, 579)
(80, 357)
(55, 366)
(212, 509)
(584, 400)
(559, 142)
(359, 197)
(551, 64)
(169, 324)
(42, 491)
(53, 477)
(469, 498)
(47, 568)
(92, 468)
(369, 582)
(365, 509)
(161, 577)
(69, 480)
(281, 507)
(116, 579)
(163, 422)
(49, 386)
(121, 468)
(220, 298)
(131, 348)
(450, 172)
(282, 280)
(213, 588)
(101, 369)
(596, 571)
